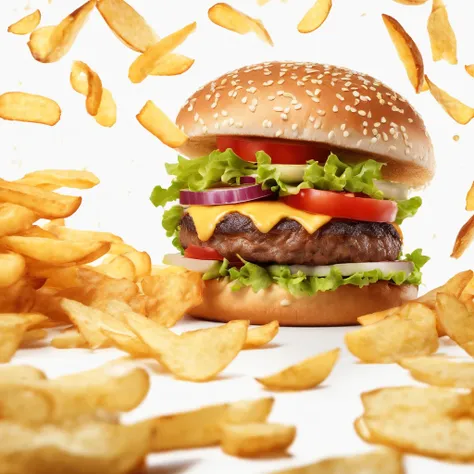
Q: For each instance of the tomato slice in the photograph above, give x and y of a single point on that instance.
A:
(202, 253)
(282, 152)
(343, 205)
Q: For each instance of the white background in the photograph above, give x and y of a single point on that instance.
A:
(129, 161)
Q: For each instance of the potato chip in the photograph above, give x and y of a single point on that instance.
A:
(470, 199)
(411, 2)
(147, 61)
(194, 355)
(222, 14)
(464, 238)
(458, 111)
(65, 233)
(94, 89)
(17, 298)
(86, 447)
(12, 268)
(456, 320)
(442, 37)
(55, 252)
(127, 24)
(172, 65)
(57, 277)
(407, 51)
(69, 339)
(410, 332)
(255, 439)
(45, 204)
(143, 304)
(470, 69)
(362, 431)
(49, 44)
(176, 293)
(12, 329)
(24, 107)
(15, 219)
(35, 231)
(55, 179)
(141, 261)
(261, 335)
(249, 411)
(27, 24)
(119, 267)
(20, 373)
(32, 320)
(376, 462)
(119, 248)
(158, 123)
(315, 16)
(34, 335)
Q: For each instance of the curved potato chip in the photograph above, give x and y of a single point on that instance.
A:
(55, 179)
(119, 267)
(24, 107)
(470, 69)
(227, 17)
(94, 86)
(464, 238)
(69, 339)
(12, 268)
(147, 61)
(361, 429)
(442, 37)
(141, 261)
(255, 439)
(172, 65)
(27, 24)
(15, 219)
(261, 335)
(20, 373)
(65, 233)
(18, 298)
(34, 335)
(304, 375)
(12, 329)
(157, 123)
(35, 231)
(315, 16)
(470, 199)
(407, 51)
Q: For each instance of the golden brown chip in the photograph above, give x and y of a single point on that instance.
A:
(27, 24)
(176, 293)
(464, 238)
(222, 14)
(35, 231)
(362, 431)
(470, 69)
(49, 44)
(55, 179)
(12, 329)
(12, 268)
(376, 462)
(15, 219)
(147, 61)
(141, 261)
(261, 335)
(410, 332)
(442, 37)
(315, 16)
(249, 411)
(20, 373)
(24, 107)
(407, 51)
(158, 123)
(119, 267)
(255, 439)
(69, 339)
(34, 335)
(470, 199)
(17, 298)
(172, 65)
(94, 86)
(65, 233)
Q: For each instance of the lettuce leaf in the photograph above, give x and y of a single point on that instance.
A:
(408, 208)
(299, 284)
(170, 222)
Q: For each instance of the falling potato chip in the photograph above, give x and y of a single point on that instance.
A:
(55, 179)
(249, 411)
(12, 268)
(12, 329)
(26, 25)
(20, 373)
(23, 107)
(464, 238)
(147, 61)
(442, 37)
(407, 51)
(315, 16)
(172, 65)
(231, 19)
(94, 86)
(470, 199)
(69, 339)
(382, 461)
(460, 112)
(470, 69)
(304, 375)
(49, 44)
(194, 355)
(456, 320)
(410, 332)
(176, 293)
(261, 335)
(255, 439)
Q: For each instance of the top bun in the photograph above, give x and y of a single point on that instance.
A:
(351, 113)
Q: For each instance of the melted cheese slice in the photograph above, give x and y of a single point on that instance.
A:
(264, 215)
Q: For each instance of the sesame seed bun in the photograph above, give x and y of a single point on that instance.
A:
(341, 307)
(351, 113)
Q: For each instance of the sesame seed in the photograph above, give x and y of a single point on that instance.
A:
(286, 110)
(204, 129)
(264, 123)
(280, 92)
(279, 132)
(363, 113)
(254, 101)
(250, 82)
(281, 81)
(377, 124)
(383, 120)
(345, 134)
(239, 124)
(393, 124)
(410, 120)
(317, 123)
(271, 97)
(407, 151)
(340, 97)
(252, 90)
(294, 102)
(190, 108)
(278, 109)
(392, 148)
(213, 105)
(331, 135)
(284, 116)
(369, 114)
(252, 108)
(244, 100)
(294, 126)
(375, 131)
(224, 113)
(201, 121)
(365, 123)
(322, 113)
(405, 136)
(299, 83)
(348, 107)
(196, 117)
(208, 96)
(231, 122)
(216, 115)
(403, 129)
(373, 140)
(216, 126)
(392, 131)
(365, 131)
(353, 109)
(308, 92)
(268, 83)
(348, 83)
(345, 89)
(385, 137)
(396, 135)
(315, 99)
(317, 91)
(335, 108)
(343, 126)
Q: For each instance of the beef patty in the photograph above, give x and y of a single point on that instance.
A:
(338, 241)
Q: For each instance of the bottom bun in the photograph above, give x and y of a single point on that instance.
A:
(341, 307)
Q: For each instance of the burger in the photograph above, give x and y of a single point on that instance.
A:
(292, 187)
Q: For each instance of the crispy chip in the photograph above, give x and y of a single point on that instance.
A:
(315, 16)
(409, 332)
(24, 107)
(27, 24)
(35, 231)
(69, 339)
(176, 293)
(12, 268)
(65, 233)
(407, 51)
(261, 335)
(376, 462)
(49, 44)
(458, 111)
(94, 86)
(470, 69)
(470, 199)
(55, 179)
(47, 302)
(255, 439)
(194, 355)
(157, 122)
(249, 411)
(20, 373)
(12, 329)
(147, 61)
(464, 238)
(15, 219)
(456, 320)
(17, 298)
(172, 65)
(231, 19)
(119, 267)
(141, 261)
(442, 37)
(304, 375)
(361, 429)
(34, 335)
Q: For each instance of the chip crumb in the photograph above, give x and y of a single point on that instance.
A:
(456, 138)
